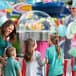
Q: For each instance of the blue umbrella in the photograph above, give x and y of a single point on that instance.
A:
(4, 5)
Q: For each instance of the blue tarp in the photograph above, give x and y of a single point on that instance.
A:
(55, 9)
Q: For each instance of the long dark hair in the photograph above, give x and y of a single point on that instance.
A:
(29, 44)
(55, 40)
(12, 35)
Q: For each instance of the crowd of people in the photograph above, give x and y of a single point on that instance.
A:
(9, 66)
(54, 56)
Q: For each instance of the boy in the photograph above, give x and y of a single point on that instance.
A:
(12, 67)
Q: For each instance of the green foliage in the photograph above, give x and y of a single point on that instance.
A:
(16, 44)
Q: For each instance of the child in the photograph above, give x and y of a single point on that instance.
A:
(54, 57)
(12, 67)
(32, 59)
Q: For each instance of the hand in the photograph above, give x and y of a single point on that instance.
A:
(3, 60)
(46, 61)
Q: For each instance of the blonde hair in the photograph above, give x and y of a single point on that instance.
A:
(10, 51)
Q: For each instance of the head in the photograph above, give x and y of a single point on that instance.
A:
(72, 7)
(73, 11)
(11, 52)
(30, 47)
(53, 40)
(8, 29)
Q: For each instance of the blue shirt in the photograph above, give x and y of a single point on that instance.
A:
(56, 64)
(12, 67)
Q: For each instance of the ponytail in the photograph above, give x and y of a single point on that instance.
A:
(57, 46)
(55, 41)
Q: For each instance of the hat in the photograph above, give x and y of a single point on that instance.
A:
(74, 4)
(3, 19)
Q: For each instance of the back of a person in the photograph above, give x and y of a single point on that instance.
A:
(32, 67)
(33, 59)
(56, 65)
(10, 67)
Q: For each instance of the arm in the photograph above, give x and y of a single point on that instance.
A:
(18, 69)
(4, 55)
(19, 73)
(62, 56)
(47, 56)
(3, 60)
(39, 60)
(46, 60)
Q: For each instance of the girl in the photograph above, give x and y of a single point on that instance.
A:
(32, 59)
(54, 57)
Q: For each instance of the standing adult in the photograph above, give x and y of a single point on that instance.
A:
(67, 21)
(7, 36)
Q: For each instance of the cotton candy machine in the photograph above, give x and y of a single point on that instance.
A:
(36, 25)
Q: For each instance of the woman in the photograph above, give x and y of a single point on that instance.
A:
(7, 36)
